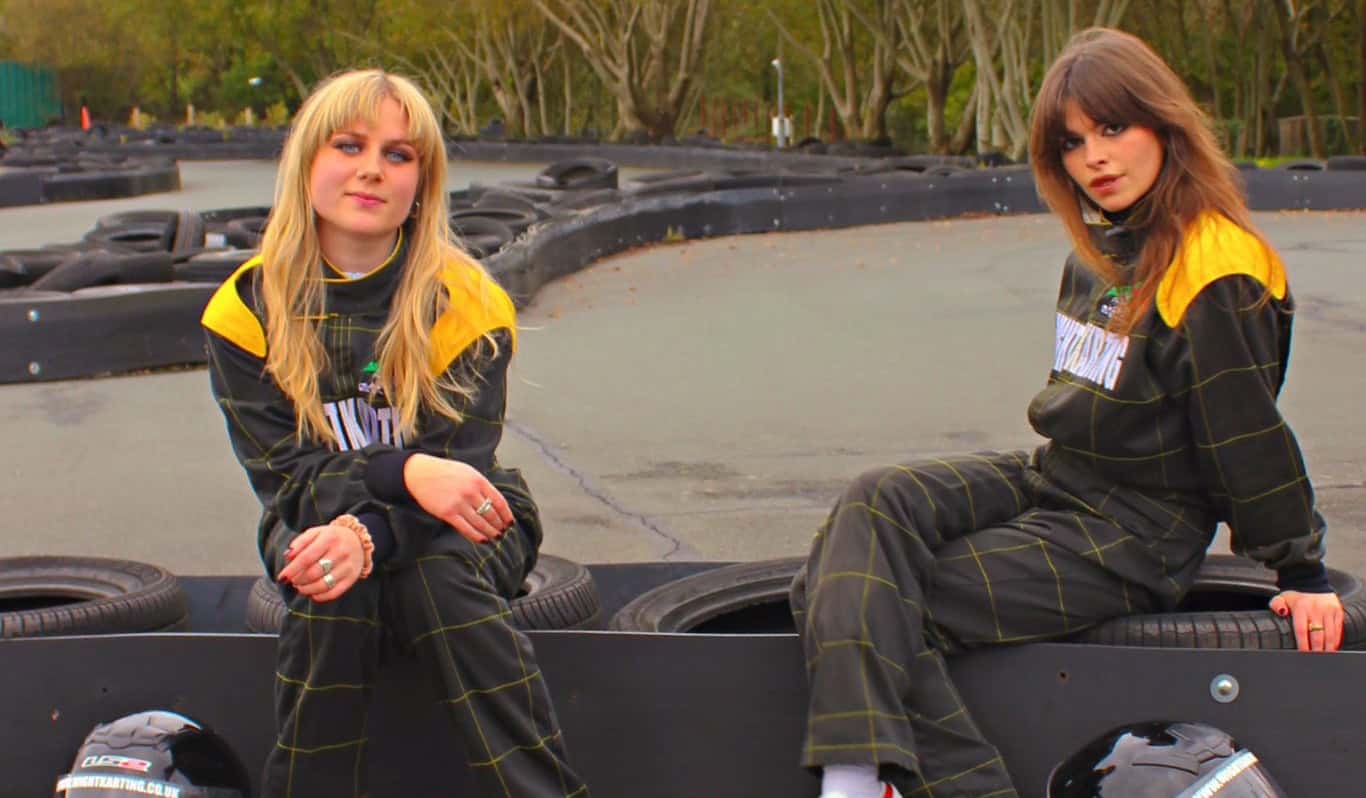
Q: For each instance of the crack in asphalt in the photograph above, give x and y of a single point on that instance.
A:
(553, 456)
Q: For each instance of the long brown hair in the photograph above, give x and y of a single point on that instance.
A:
(1115, 78)
(292, 286)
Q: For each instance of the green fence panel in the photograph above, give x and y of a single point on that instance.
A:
(29, 95)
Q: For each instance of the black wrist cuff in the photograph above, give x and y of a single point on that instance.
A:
(384, 476)
(1311, 577)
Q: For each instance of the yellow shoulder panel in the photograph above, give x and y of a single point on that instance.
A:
(1215, 247)
(478, 305)
(228, 316)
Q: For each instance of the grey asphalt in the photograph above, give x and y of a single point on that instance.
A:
(700, 400)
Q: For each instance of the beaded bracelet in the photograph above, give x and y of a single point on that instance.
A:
(367, 546)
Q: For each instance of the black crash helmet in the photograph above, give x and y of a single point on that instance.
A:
(154, 754)
(1162, 760)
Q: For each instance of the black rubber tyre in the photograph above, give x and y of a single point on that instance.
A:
(481, 236)
(221, 216)
(1347, 163)
(37, 262)
(557, 594)
(265, 607)
(579, 173)
(87, 269)
(1305, 165)
(1226, 608)
(47, 596)
(124, 218)
(135, 237)
(505, 200)
(13, 273)
(245, 232)
(212, 267)
(692, 603)
(516, 219)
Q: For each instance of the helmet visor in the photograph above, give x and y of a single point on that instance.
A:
(1242, 776)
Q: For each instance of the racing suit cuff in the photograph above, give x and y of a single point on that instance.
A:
(380, 534)
(1310, 577)
(384, 478)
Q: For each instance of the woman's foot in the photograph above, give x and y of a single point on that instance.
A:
(854, 781)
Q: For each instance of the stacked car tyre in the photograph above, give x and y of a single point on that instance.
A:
(45, 596)
(557, 594)
(1226, 608)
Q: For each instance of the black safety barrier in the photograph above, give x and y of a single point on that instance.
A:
(76, 182)
(21, 187)
(103, 330)
(557, 232)
(679, 715)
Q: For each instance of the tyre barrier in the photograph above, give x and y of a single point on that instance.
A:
(46, 596)
(1225, 608)
(579, 174)
(526, 234)
(480, 235)
(557, 594)
(74, 182)
(49, 145)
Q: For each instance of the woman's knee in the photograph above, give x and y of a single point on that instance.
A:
(871, 482)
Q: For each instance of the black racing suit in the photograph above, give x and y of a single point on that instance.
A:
(433, 592)
(1153, 438)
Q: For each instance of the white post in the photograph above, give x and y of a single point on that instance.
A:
(779, 129)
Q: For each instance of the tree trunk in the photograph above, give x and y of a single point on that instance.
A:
(959, 143)
(1288, 28)
(1361, 76)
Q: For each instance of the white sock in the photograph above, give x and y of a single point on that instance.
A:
(851, 781)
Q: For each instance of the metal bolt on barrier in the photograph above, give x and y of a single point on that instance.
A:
(33, 315)
(34, 368)
(1224, 688)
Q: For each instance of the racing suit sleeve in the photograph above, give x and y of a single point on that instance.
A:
(1237, 341)
(304, 484)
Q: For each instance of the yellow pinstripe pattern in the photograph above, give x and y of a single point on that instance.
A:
(1000, 569)
(444, 601)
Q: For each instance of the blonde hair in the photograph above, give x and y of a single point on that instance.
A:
(291, 278)
(1115, 77)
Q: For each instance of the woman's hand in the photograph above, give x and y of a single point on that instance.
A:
(323, 562)
(1317, 616)
(455, 493)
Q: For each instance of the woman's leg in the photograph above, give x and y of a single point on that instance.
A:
(868, 610)
(326, 663)
(454, 605)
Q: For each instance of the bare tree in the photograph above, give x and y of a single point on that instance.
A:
(862, 111)
(647, 53)
(509, 47)
(1361, 76)
(1296, 41)
(929, 43)
(1001, 33)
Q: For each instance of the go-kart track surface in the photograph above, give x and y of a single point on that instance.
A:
(700, 400)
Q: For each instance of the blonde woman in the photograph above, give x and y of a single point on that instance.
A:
(360, 363)
(1172, 332)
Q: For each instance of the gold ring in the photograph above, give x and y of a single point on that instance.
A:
(1316, 627)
